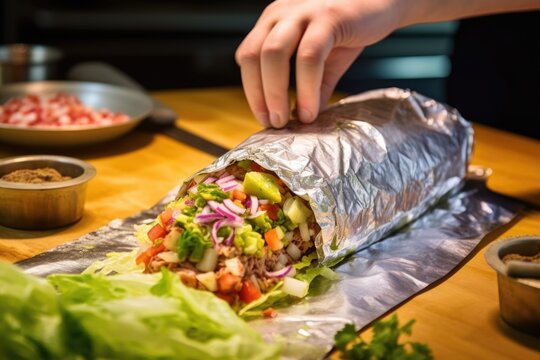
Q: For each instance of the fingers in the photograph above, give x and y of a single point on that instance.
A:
(337, 63)
(248, 58)
(276, 52)
(313, 50)
(264, 59)
(264, 65)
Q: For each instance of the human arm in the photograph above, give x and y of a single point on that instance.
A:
(327, 36)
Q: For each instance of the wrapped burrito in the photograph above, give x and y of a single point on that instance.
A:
(261, 220)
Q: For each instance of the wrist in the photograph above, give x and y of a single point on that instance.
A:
(417, 11)
(426, 11)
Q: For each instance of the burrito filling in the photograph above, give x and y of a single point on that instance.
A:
(238, 233)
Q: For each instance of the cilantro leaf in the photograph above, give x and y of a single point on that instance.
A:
(345, 336)
(384, 344)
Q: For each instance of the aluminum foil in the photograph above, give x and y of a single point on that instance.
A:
(368, 165)
(371, 282)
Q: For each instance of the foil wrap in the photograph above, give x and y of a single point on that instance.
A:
(368, 165)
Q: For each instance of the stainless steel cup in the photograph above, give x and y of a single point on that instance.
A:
(22, 62)
(44, 205)
(519, 296)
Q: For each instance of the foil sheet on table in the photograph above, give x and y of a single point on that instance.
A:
(342, 165)
(371, 282)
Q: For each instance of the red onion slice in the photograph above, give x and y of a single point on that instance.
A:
(233, 207)
(254, 204)
(228, 241)
(206, 210)
(225, 179)
(257, 214)
(228, 186)
(218, 225)
(215, 238)
(213, 204)
(205, 218)
(223, 210)
(209, 180)
(171, 221)
(280, 273)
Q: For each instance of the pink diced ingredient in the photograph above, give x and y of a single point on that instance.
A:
(58, 110)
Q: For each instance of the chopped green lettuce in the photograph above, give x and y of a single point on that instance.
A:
(116, 263)
(250, 241)
(30, 318)
(132, 316)
(192, 244)
(276, 297)
(207, 192)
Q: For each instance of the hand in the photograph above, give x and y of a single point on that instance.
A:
(327, 36)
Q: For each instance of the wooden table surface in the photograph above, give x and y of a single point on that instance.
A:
(457, 317)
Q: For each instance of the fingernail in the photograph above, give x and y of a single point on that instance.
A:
(305, 115)
(275, 120)
(263, 119)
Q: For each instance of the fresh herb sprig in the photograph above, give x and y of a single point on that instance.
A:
(384, 345)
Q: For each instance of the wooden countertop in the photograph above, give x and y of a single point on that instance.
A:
(457, 317)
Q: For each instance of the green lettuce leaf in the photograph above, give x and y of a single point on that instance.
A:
(276, 297)
(141, 316)
(30, 319)
(116, 263)
(131, 316)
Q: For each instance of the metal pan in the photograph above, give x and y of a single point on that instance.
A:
(133, 103)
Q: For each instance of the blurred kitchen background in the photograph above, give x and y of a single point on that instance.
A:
(165, 44)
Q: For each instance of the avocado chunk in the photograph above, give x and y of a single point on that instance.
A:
(262, 185)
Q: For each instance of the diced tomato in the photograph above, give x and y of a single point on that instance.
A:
(149, 253)
(273, 240)
(166, 216)
(269, 313)
(271, 210)
(249, 292)
(229, 283)
(239, 195)
(156, 232)
(227, 297)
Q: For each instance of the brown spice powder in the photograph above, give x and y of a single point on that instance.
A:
(533, 258)
(35, 176)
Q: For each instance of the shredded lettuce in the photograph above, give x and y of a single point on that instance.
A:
(276, 297)
(305, 261)
(141, 233)
(254, 308)
(312, 272)
(132, 316)
(116, 263)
